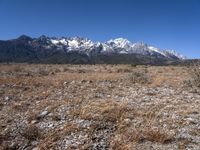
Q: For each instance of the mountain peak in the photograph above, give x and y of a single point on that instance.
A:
(120, 42)
(86, 47)
(24, 37)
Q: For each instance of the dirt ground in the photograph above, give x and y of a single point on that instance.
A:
(98, 107)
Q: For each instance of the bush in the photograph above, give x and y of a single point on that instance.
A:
(43, 72)
(139, 77)
(31, 132)
(123, 70)
(133, 65)
(195, 72)
(17, 68)
(194, 81)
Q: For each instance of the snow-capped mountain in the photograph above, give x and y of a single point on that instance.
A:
(46, 47)
(119, 45)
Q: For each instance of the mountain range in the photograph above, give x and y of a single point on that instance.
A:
(76, 50)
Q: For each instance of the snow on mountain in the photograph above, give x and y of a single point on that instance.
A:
(173, 52)
(55, 42)
(119, 45)
(156, 50)
(73, 44)
(120, 42)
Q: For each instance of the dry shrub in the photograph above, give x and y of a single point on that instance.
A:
(141, 77)
(118, 145)
(107, 110)
(2, 138)
(123, 70)
(57, 70)
(195, 73)
(11, 68)
(65, 69)
(33, 116)
(17, 68)
(157, 135)
(49, 140)
(31, 132)
(133, 136)
(43, 72)
(133, 65)
(128, 136)
(4, 146)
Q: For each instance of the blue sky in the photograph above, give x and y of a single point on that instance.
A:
(167, 24)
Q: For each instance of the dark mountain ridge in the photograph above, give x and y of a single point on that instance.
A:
(83, 51)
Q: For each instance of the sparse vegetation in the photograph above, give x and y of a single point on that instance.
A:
(31, 132)
(195, 72)
(141, 77)
(194, 77)
(97, 107)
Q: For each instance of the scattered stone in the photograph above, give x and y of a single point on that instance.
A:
(34, 121)
(7, 98)
(34, 143)
(50, 125)
(65, 83)
(73, 82)
(43, 114)
(127, 120)
(77, 115)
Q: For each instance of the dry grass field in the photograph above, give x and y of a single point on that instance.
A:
(98, 107)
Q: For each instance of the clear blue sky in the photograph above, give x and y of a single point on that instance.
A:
(167, 24)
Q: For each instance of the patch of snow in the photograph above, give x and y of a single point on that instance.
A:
(73, 44)
(120, 42)
(54, 41)
(64, 41)
(118, 45)
(156, 50)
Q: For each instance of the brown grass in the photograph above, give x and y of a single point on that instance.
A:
(195, 75)
(50, 139)
(103, 110)
(75, 87)
(139, 77)
(133, 136)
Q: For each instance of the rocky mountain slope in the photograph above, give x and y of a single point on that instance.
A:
(81, 50)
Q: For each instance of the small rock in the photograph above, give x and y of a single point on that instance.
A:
(7, 98)
(127, 121)
(191, 120)
(33, 121)
(65, 83)
(108, 96)
(73, 82)
(43, 114)
(50, 125)
(50, 114)
(166, 114)
(34, 143)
